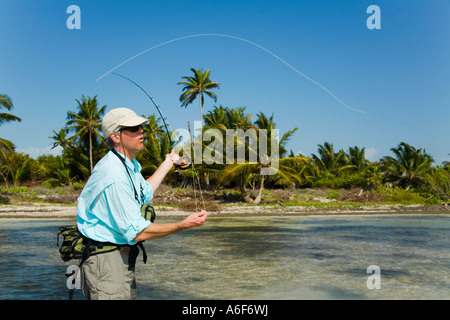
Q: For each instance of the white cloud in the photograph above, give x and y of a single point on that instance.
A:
(371, 154)
(34, 152)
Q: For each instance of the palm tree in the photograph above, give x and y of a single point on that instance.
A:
(86, 122)
(262, 122)
(195, 86)
(409, 165)
(357, 158)
(237, 119)
(216, 118)
(223, 119)
(75, 161)
(156, 145)
(17, 166)
(446, 163)
(333, 162)
(6, 102)
(282, 169)
(61, 140)
(153, 129)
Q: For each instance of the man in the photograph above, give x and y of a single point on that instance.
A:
(109, 208)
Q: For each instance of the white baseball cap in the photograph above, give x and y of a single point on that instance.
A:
(120, 117)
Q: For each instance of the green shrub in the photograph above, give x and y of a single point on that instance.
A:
(77, 186)
(346, 181)
(15, 190)
(51, 183)
(399, 195)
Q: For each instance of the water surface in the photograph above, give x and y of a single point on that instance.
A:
(295, 257)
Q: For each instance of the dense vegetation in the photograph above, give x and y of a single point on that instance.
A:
(408, 172)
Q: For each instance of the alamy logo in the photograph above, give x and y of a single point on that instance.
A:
(374, 21)
(74, 20)
(234, 146)
(374, 281)
(73, 277)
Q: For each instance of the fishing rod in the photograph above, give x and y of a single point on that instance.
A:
(184, 162)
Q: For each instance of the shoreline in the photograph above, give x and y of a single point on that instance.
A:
(33, 210)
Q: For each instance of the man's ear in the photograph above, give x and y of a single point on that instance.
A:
(115, 137)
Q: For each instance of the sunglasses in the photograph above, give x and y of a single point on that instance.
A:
(132, 129)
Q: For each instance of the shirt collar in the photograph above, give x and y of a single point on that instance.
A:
(132, 165)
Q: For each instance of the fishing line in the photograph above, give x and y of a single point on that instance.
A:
(194, 171)
(247, 41)
(260, 47)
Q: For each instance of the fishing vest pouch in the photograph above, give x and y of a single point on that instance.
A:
(76, 246)
(148, 212)
(73, 243)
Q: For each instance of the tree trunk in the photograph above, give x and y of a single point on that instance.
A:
(261, 188)
(201, 111)
(90, 151)
(246, 197)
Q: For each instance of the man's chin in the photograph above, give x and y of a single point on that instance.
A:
(140, 147)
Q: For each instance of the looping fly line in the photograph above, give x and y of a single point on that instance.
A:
(247, 41)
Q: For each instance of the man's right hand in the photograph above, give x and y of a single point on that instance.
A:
(195, 219)
(157, 230)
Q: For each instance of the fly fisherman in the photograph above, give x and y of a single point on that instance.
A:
(109, 209)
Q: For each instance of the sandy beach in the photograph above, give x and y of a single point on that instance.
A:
(33, 210)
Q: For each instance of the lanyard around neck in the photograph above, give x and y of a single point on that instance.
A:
(126, 168)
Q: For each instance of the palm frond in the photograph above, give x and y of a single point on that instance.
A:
(6, 102)
(7, 117)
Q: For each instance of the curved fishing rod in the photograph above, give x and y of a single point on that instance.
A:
(184, 162)
(150, 97)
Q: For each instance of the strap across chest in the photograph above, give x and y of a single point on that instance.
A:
(131, 179)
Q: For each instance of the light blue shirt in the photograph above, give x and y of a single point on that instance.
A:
(107, 209)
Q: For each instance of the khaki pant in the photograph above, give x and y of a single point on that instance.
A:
(106, 276)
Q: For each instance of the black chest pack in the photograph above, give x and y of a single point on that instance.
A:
(76, 246)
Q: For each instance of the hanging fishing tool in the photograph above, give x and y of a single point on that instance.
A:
(184, 162)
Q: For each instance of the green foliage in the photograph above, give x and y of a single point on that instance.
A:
(347, 181)
(406, 177)
(51, 183)
(198, 85)
(409, 166)
(6, 103)
(77, 186)
(436, 185)
(14, 190)
(400, 195)
(331, 161)
(86, 124)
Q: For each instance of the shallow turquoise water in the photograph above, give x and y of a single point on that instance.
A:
(293, 257)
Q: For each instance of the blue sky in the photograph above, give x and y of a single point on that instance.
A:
(398, 75)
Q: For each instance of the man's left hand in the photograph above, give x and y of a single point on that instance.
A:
(172, 157)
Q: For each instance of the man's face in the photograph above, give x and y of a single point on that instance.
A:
(132, 138)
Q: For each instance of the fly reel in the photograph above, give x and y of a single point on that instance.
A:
(182, 164)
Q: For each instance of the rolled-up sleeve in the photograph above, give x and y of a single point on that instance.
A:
(107, 209)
